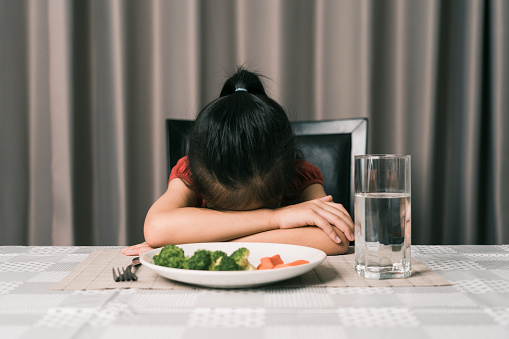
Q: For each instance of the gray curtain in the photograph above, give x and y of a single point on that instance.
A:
(85, 87)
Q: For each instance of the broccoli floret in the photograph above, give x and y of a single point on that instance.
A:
(171, 256)
(171, 251)
(173, 262)
(241, 258)
(225, 263)
(217, 254)
(201, 260)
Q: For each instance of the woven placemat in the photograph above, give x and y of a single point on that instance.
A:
(95, 273)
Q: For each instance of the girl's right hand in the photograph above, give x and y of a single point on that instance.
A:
(138, 249)
(323, 213)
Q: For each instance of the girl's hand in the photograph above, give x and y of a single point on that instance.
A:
(323, 213)
(136, 249)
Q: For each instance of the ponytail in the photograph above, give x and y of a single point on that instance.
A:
(243, 80)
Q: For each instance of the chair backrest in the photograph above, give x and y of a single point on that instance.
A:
(330, 145)
(177, 138)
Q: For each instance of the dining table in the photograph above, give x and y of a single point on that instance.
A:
(42, 296)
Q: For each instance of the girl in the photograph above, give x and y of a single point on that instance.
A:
(243, 180)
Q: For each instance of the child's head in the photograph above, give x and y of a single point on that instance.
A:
(242, 147)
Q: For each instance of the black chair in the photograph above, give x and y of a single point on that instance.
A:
(177, 138)
(330, 145)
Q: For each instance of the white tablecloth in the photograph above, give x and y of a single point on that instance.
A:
(476, 306)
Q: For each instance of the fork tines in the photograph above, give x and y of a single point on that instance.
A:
(125, 275)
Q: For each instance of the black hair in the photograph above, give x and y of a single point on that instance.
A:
(242, 146)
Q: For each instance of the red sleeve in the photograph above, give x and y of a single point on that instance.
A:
(181, 171)
(306, 175)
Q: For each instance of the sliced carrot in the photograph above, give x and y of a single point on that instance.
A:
(282, 265)
(265, 264)
(276, 260)
(298, 262)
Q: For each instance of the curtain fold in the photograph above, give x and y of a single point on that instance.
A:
(61, 115)
(85, 87)
(459, 104)
(38, 131)
(496, 140)
(109, 107)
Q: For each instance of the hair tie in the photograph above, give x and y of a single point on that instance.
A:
(241, 89)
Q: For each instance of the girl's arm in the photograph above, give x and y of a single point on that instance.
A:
(174, 219)
(305, 236)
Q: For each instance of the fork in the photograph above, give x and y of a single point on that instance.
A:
(126, 274)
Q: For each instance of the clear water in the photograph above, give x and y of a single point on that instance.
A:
(382, 235)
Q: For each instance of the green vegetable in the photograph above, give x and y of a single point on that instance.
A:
(217, 254)
(171, 256)
(225, 263)
(201, 260)
(241, 256)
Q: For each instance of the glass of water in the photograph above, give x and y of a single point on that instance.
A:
(382, 216)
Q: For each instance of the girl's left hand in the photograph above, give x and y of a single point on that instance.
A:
(136, 249)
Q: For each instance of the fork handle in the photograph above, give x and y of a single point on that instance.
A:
(135, 262)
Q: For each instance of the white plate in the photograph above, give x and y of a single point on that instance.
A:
(240, 279)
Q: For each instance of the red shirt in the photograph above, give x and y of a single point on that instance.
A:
(306, 175)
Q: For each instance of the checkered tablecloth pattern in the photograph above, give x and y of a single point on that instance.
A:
(476, 306)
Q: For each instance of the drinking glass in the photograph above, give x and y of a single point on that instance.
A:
(382, 216)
